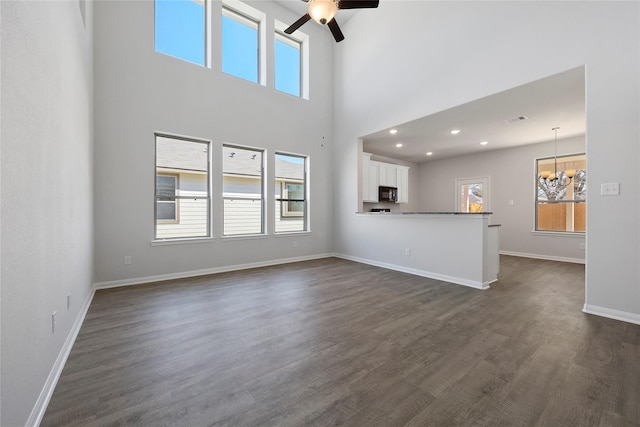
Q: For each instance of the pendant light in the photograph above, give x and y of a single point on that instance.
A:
(554, 185)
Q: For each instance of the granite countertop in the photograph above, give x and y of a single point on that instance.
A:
(424, 213)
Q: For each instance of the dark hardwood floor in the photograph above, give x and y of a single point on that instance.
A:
(333, 342)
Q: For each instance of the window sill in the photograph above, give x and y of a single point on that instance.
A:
(578, 234)
(291, 233)
(181, 241)
(188, 241)
(245, 237)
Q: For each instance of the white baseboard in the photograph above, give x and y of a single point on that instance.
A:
(203, 272)
(54, 375)
(545, 257)
(423, 273)
(624, 316)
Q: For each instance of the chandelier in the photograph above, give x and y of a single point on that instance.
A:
(554, 185)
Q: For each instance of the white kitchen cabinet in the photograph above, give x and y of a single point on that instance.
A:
(369, 179)
(402, 179)
(375, 174)
(387, 175)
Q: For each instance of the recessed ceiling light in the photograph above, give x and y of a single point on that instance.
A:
(429, 153)
(484, 142)
(455, 131)
(399, 144)
(393, 131)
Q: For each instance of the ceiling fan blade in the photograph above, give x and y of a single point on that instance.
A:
(358, 4)
(335, 30)
(298, 24)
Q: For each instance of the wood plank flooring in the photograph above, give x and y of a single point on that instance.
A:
(333, 342)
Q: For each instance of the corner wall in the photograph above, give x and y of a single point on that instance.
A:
(46, 229)
(432, 56)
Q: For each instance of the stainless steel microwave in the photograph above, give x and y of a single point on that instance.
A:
(387, 194)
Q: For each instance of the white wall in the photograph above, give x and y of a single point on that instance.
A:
(512, 174)
(139, 91)
(47, 218)
(436, 55)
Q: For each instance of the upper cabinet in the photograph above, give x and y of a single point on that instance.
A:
(388, 174)
(402, 177)
(375, 174)
(369, 179)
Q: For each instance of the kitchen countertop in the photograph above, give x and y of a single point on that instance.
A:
(424, 213)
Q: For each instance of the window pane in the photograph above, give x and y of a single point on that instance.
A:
(291, 203)
(295, 207)
(242, 190)
(191, 220)
(294, 191)
(182, 188)
(180, 29)
(287, 65)
(561, 185)
(165, 186)
(239, 46)
(166, 210)
(471, 197)
(242, 216)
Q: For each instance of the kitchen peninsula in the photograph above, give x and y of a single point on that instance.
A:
(455, 247)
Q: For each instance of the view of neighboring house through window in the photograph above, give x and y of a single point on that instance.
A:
(243, 190)
(240, 41)
(561, 193)
(166, 189)
(287, 64)
(291, 193)
(182, 201)
(180, 29)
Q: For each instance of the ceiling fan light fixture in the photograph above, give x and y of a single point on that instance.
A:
(323, 11)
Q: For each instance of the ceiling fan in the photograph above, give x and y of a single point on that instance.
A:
(323, 12)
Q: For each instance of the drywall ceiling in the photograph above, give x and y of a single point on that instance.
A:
(558, 100)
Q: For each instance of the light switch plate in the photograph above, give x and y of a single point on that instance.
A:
(610, 189)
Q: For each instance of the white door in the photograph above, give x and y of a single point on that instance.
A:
(472, 194)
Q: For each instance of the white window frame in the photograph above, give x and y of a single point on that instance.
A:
(306, 183)
(303, 40)
(209, 210)
(250, 16)
(572, 202)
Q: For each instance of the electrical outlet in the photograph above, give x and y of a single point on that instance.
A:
(610, 189)
(127, 260)
(407, 252)
(295, 244)
(53, 322)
